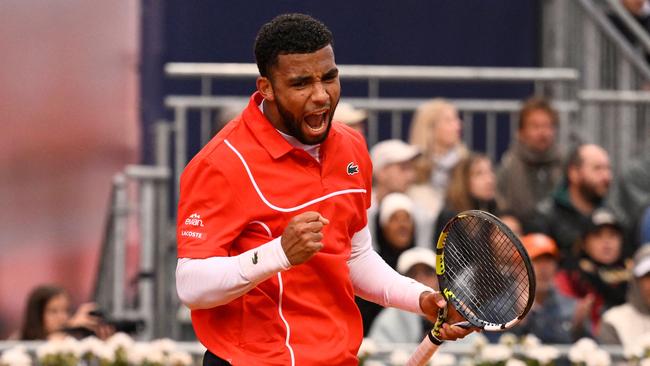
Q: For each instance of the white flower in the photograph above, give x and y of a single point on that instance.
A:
(508, 339)
(144, 352)
(47, 349)
(530, 341)
(598, 357)
(180, 358)
(495, 353)
(373, 363)
(105, 352)
(543, 354)
(120, 340)
(90, 345)
(16, 356)
(515, 362)
(164, 345)
(581, 349)
(479, 341)
(399, 357)
(368, 347)
(632, 351)
(442, 359)
(644, 341)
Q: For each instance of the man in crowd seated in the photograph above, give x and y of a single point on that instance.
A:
(554, 317)
(532, 166)
(600, 269)
(624, 324)
(393, 172)
(566, 214)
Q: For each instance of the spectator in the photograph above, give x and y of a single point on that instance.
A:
(566, 214)
(395, 235)
(355, 118)
(511, 221)
(630, 196)
(47, 316)
(601, 270)
(472, 187)
(554, 317)
(397, 326)
(394, 172)
(624, 324)
(436, 130)
(532, 166)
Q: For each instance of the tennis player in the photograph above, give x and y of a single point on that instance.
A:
(273, 242)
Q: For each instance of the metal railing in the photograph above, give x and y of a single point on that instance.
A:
(614, 108)
(492, 112)
(139, 203)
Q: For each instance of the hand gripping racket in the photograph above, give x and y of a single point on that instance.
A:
(484, 272)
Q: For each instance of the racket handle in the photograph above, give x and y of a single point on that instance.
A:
(423, 353)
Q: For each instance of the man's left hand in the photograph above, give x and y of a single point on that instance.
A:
(430, 302)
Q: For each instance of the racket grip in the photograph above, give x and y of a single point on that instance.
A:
(423, 353)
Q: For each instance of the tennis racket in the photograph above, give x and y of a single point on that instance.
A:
(484, 272)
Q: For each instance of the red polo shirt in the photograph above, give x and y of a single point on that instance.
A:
(239, 192)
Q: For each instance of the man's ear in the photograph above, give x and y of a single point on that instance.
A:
(265, 88)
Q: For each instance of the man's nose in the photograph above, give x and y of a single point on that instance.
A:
(319, 94)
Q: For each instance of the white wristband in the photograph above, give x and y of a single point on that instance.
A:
(260, 263)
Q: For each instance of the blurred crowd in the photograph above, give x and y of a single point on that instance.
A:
(580, 223)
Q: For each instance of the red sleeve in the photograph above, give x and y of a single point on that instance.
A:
(210, 216)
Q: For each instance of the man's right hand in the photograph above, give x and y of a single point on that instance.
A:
(302, 238)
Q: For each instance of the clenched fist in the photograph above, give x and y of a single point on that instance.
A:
(302, 238)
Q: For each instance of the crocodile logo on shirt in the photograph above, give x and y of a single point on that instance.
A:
(352, 168)
(255, 258)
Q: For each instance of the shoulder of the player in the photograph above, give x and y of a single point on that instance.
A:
(348, 134)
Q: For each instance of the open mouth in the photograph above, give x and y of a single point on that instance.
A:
(316, 122)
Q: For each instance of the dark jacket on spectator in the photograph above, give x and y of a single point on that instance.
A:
(559, 219)
(552, 322)
(526, 177)
(607, 283)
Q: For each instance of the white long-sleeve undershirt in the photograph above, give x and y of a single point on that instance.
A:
(214, 281)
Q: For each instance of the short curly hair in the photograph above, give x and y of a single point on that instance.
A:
(286, 34)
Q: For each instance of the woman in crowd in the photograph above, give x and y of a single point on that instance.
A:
(47, 316)
(601, 271)
(435, 129)
(472, 187)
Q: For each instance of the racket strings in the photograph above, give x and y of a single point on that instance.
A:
(485, 270)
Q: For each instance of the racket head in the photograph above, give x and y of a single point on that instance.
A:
(484, 271)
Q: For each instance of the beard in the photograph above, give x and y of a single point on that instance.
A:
(590, 193)
(293, 125)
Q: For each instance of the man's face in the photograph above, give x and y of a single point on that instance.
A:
(305, 92)
(545, 267)
(594, 175)
(397, 177)
(538, 131)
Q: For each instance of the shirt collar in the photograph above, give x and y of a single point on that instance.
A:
(263, 130)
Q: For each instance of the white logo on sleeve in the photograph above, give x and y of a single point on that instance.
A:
(194, 220)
